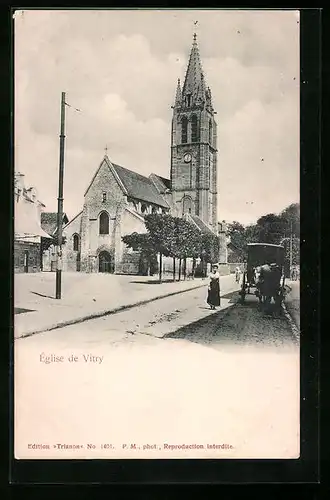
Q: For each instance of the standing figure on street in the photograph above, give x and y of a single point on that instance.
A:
(294, 273)
(238, 274)
(257, 274)
(213, 296)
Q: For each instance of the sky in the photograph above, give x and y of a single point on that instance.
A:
(120, 69)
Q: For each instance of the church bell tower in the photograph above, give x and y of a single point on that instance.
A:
(194, 146)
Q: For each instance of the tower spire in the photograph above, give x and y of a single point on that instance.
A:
(194, 84)
(178, 95)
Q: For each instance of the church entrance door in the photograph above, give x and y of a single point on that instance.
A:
(105, 262)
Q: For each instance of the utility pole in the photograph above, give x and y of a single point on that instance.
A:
(60, 203)
(291, 249)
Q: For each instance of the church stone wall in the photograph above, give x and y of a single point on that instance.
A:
(71, 257)
(106, 195)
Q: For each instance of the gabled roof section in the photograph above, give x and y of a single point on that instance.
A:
(138, 216)
(162, 185)
(132, 184)
(204, 228)
(72, 220)
(49, 221)
(106, 162)
(139, 187)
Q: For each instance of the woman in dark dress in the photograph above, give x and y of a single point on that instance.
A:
(213, 296)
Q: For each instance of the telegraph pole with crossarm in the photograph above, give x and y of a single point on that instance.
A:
(60, 203)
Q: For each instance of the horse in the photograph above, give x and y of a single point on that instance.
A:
(269, 286)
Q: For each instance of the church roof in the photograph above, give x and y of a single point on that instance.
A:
(140, 187)
(161, 183)
(73, 219)
(133, 184)
(204, 228)
(49, 221)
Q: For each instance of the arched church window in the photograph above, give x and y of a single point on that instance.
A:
(186, 205)
(210, 132)
(188, 100)
(154, 210)
(104, 223)
(184, 130)
(75, 242)
(194, 129)
(144, 208)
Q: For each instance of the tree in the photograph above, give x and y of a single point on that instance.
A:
(141, 242)
(209, 249)
(271, 228)
(236, 232)
(161, 229)
(252, 234)
(137, 241)
(291, 220)
(295, 255)
(187, 243)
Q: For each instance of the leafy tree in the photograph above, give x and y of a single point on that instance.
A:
(252, 234)
(137, 241)
(291, 220)
(141, 242)
(236, 232)
(187, 243)
(161, 229)
(286, 242)
(271, 228)
(209, 249)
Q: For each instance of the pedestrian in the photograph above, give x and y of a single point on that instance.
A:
(257, 271)
(294, 273)
(237, 274)
(213, 296)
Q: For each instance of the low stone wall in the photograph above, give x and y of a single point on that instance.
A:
(130, 263)
(232, 266)
(224, 269)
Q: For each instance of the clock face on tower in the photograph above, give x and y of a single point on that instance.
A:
(187, 158)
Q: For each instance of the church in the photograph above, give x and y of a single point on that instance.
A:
(117, 199)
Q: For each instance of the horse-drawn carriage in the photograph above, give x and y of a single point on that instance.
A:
(258, 256)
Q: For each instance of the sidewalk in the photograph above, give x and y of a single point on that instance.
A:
(292, 301)
(84, 296)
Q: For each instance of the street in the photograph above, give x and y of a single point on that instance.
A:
(170, 371)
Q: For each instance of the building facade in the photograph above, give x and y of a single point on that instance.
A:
(27, 227)
(49, 225)
(117, 198)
